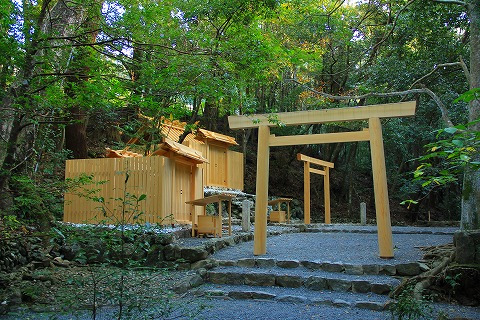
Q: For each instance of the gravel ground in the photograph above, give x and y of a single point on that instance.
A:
(336, 247)
(217, 309)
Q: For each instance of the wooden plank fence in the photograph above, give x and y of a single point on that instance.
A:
(166, 184)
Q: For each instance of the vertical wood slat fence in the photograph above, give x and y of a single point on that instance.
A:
(224, 167)
(153, 176)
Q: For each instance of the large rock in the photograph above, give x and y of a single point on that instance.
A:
(361, 286)
(260, 279)
(288, 263)
(265, 263)
(339, 284)
(217, 277)
(316, 283)
(240, 295)
(235, 278)
(70, 252)
(353, 269)
(165, 239)
(381, 288)
(172, 252)
(292, 299)
(247, 262)
(311, 265)
(332, 267)
(408, 269)
(262, 295)
(371, 269)
(289, 281)
(464, 247)
(205, 264)
(370, 305)
(154, 255)
(388, 269)
(193, 254)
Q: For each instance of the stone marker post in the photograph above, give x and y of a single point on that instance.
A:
(363, 213)
(245, 215)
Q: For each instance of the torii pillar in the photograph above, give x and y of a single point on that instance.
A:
(371, 113)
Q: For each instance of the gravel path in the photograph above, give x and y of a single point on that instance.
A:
(347, 248)
(219, 309)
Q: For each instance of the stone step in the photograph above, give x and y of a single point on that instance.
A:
(369, 301)
(373, 229)
(316, 280)
(403, 269)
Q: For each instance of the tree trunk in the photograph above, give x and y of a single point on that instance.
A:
(71, 19)
(471, 182)
(76, 133)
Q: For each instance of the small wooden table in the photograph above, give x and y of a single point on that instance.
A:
(212, 199)
(279, 211)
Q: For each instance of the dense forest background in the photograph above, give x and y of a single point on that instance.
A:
(75, 76)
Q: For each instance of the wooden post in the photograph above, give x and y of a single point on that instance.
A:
(326, 194)
(261, 201)
(288, 211)
(382, 207)
(246, 216)
(306, 192)
(363, 213)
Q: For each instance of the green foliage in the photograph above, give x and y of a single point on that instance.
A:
(447, 158)
(407, 307)
(36, 202)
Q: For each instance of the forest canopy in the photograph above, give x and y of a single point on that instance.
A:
(73, 73)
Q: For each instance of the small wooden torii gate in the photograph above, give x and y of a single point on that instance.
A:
(372, 113)
(307, 170)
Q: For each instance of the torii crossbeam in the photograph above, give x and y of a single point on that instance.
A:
(372, 113)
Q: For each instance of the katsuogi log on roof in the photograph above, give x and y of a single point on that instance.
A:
(179, 149)
(120, 154)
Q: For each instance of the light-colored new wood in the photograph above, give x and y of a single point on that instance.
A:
(235, 170)
(166, 183)
(279, 202)
(261, 200)
(326, 195)
(326, 184)
(382, 206)
(316, 171)
(335, 137)
(217, 174)
(390, 110)
(372, 113)
(322, 163)
(210, 225)
(211, 199)
(218, 198)
(306, 192)
(277, 216)
(224, 167)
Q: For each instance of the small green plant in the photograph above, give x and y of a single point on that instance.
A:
(8, 224)
(407, 307)
(453, 283)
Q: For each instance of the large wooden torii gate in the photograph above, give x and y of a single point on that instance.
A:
(371, 113)
(307, 170)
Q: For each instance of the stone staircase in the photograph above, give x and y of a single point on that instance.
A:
(293, 281)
